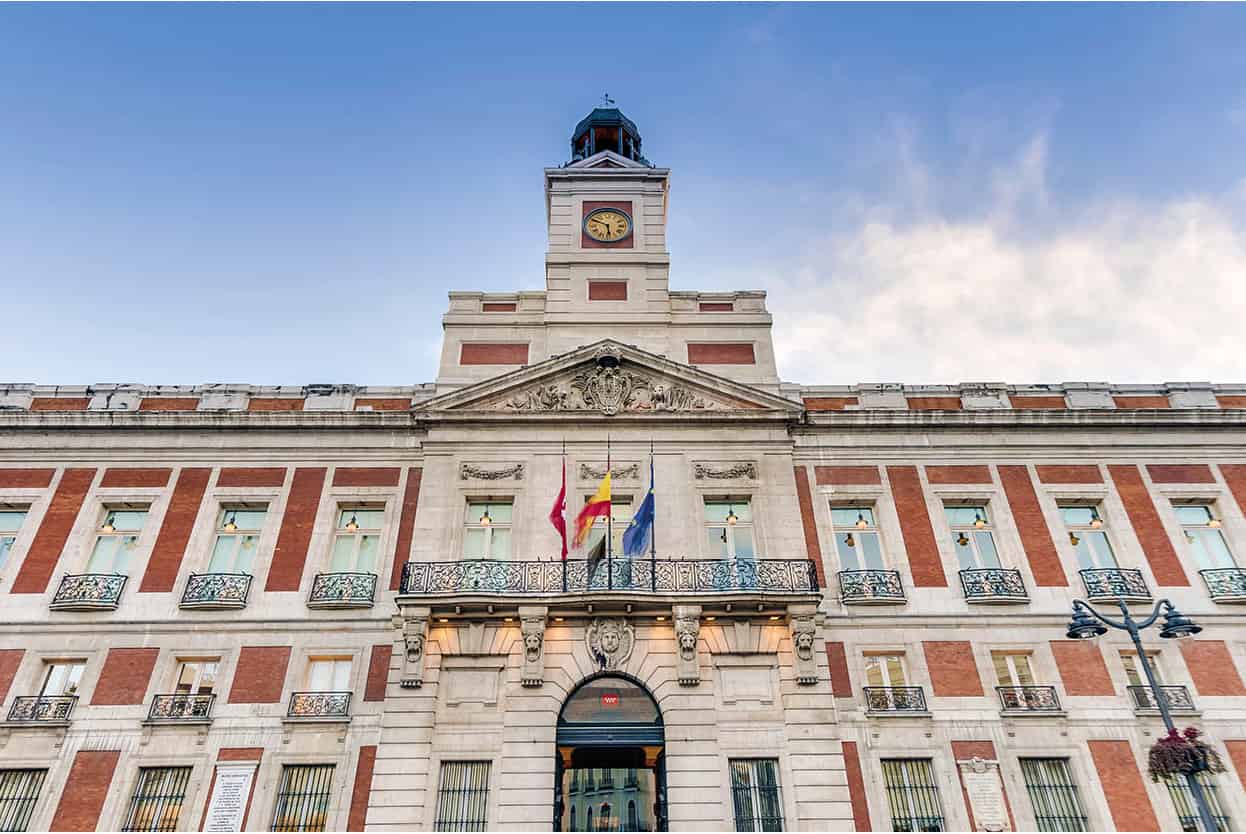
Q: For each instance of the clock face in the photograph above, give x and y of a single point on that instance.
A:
(607, 225)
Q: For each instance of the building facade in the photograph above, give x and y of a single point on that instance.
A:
(335, 607)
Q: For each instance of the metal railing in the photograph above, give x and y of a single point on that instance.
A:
(181, 707)
(993, 585)
(1176, 698)
(319, 705)
(1115, 583)
(1225, 584)
(895, 699)
(38, 708)
(342, 590)
(1028, 698)
(89, 591)
(870, 586)
(640, 574)
(216, 590)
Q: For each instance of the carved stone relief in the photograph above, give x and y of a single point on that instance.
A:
(532, 627)
(610, 641)
(687, 630)
(595, 472)
(414, 634)
(475, 472)
(724, 471)
(609, 390)
(804, 630)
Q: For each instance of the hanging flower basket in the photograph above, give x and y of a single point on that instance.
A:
(1179, 753)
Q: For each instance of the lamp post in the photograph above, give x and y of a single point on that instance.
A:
(1087, 623)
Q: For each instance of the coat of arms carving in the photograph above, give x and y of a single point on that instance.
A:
(610, 641)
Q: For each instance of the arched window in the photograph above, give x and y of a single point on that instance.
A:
(633, 822)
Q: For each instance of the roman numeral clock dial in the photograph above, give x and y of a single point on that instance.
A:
(607, 225)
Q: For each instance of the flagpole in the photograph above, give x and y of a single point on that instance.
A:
(653, 528)
(609, 525)
(564, 515)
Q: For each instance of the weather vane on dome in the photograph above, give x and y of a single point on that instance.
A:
(606, 101)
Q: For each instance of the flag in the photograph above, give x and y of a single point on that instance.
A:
(597, 507)
(595, 557)
(639, 534)
(558, 515)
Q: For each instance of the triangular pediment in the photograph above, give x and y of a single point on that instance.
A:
(610, 378)
(606, 159)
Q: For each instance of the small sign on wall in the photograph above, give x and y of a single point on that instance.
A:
(230, 792)
(609, 700)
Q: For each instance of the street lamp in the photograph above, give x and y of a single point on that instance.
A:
(1087, 624)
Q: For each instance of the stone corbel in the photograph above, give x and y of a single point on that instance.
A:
(414, 637)
(532, 627)
(687, 619)
(804, 625)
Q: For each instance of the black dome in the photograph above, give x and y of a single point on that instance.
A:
(606, 129)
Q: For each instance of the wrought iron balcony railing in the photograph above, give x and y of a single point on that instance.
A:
(870, 587)
(89, 592)
(181, 707)
(895, 699)
(993, 585)
(319, 705)
(1176, 698)
(639, 575)
(35, 709)
(1028, 699)
(1115, 583)
(216, 590)
(342, 590)
(1225, 584)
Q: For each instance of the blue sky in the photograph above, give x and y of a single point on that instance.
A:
(285, 193)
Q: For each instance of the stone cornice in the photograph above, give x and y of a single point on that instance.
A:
(902, 419)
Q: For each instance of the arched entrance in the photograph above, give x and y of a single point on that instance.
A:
(610, 773)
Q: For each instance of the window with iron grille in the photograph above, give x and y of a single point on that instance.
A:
(912, 795)
(19, 791)
(1053, 794)
(1187, 811)
(157, 800)
(303, 798)
(755, 795)
(463, 797)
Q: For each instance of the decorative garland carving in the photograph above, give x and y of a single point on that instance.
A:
(733, 471)
(470, 471)
(608, 389)
(589, 472)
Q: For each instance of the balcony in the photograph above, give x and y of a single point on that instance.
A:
(216, 590)
(342, 590)
(1110, 584)
(319, 706)
(89, 592)
(1225, 584)
(1028, 700)
(42, 709)
(182, 708)
(895, 700)
(1176, 698)
(993, 585)
(870, 587)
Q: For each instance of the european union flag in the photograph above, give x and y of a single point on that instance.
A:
(639, 534)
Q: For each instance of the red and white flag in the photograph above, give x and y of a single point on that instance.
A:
(558, 515)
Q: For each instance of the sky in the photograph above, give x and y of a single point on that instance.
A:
(285, 193)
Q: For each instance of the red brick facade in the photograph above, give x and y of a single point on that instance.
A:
(1211, 667)
(268, 476)
(499, 307)
(1180, 473)
(721, 353)
(1040, 549)
(1147, 526)
(804, 497)
(843, 475)
(1234, 475)
(493, 353)
(1037, 402)
(934, 403)
(290, 554)
(1237, 755)
(362, 788)
(10, 661)
(125, 677)
(1069, 474)
(26, 478)
(260, 675)
(179, 522)
(953, 671)
(366, 476)
(275, 404)
(85, 790)
(1082, 668)
(715, 307)
(383, 403)
(837, 660)
(1122, 786)
(406, 526)
(830, 403)
(60, 403)
(136, 478)
(168, 404)
(45, 550)
(1141, 402)
(378, 672)
(919, 540)
(856, 787)
(607, 290)
(958, 474)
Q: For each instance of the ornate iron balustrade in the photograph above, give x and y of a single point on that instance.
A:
(640, 575)
(216, 590)
(1225, 584)
(1115, 583)
(40, 708)
(1028, 698)
(89, 591)
(895, 699)
(993, 585)
(319, 705)
(342, 590)
(1176, 698)
(870, 586)
(181, 707)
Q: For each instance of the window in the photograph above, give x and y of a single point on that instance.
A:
(62, 678)
(912, 796)
(19, 792)
(1187, 811)
(463, 797)
(237, 537)
(633, 819)
(1053, 795)
(197, 677)
(620, 517)
(357, 540)
(972, 536)
(116, 541)
(157, 799)
(884, 670)
(1134, 671)
(1012, 668)
(10, 523)
(1089, 536)
(488, 533)
(856, 538)
(303, 798)
(1202, 536)
(729, 525)
(755, 795)
(329, 674)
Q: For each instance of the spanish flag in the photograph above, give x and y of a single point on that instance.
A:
(597, 507)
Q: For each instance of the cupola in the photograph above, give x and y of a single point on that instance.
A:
(606, 129)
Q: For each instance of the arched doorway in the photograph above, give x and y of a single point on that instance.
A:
(610, 758)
